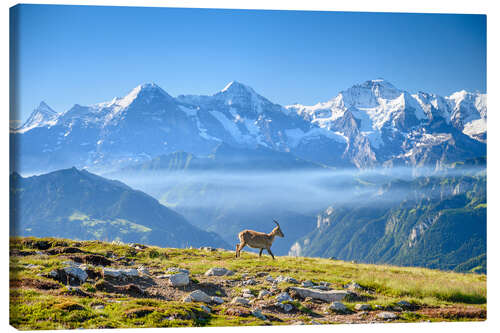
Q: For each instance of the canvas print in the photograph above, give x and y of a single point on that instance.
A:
(175, 167)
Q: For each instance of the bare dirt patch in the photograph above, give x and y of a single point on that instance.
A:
(34, 284)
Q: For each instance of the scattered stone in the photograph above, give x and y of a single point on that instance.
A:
(270, 279)
(138, 246)
(244, 275)
(173, 270)
(261, 274)
(314, 322)
(362, 307)
(283, 297)
(285, 307)
(179, 280)
(99, 307)
(240, 300)
(75, 273)
(307, 284)
(121, 272)
(32, 266)
(246, 295)
(218, 271)
(287, 279)
(217, 299)
(258, 314)
(324, 283)
(206, 309)
(143, 270)
(263, 293)
(404, 304)
(197, 296)
(337, 307)
(325, 296)
(353, 286)
(298, 323)
(387, 315)
(378, 307)
(397, 308)
(249, 282)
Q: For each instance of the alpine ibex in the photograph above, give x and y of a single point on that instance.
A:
(258, 240)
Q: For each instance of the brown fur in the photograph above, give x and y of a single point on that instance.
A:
(258, 240)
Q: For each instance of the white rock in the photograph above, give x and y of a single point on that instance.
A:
(285, 307)
(337, 307)
(325, 296)
(353, 286)
(218, 271)
(179, 280)
(99, 307)
(287, 279)
(240, 300)
(314, 322)
(307, 284)
(387, 315)
(120, 273)
(143, 270)
(250, 282)
(362, 307)
(283, 297)
(197, 296)
(76, 273)
(263, 293)
(217, 299)
(248, 295)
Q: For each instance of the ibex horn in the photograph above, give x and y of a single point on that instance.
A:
(276, 222)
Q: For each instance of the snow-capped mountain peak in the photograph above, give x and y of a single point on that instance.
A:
(145, 90)
(41, 116)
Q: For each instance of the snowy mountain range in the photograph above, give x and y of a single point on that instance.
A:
(369, 124)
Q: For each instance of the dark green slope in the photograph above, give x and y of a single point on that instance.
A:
(77, 204)
(435, 222)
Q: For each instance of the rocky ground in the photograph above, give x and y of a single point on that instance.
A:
(68, 284)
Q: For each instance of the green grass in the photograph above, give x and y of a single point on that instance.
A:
(36, 309)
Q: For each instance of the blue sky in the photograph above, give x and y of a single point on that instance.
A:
(69, 55)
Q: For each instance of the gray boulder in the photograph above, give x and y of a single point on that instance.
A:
(337, 307)
(217, 300)
(121, 272)
(325, 296)
(179, 280)
(258, 314)
(263, 293)
(283, 297)
(387, 315)
(76, 272)
(240, 300)
(218, 271)
(197, 296)
(363, 307)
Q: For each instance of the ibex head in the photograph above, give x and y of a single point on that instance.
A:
(278, 230)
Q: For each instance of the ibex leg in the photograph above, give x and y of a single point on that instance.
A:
(272, 255)
(260, 253)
